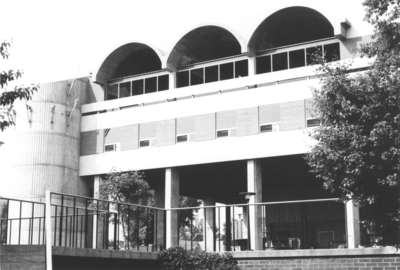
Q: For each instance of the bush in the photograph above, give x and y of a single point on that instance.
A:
(179, 259)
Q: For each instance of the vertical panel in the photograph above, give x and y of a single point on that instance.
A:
(292, 115)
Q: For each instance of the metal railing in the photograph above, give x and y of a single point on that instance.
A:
(22, 222)
(82, 222)
(302, 224)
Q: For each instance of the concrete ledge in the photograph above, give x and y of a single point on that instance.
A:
(316, 253)
(104, 253)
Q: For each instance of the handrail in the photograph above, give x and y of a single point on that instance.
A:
(255, 204)
(101, 200)
(24, 200)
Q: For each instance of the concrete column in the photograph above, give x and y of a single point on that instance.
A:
(209, 231)
(252, 66)
(352, 224)
(171, 201)
(172, 80)
(96, 195)
(254, 184)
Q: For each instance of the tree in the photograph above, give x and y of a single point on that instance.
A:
(357, 154)
(10, 94)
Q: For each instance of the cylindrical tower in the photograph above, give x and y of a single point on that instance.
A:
(42, 151)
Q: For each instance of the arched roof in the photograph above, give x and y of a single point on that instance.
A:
(129, 59)
(202, 44)
(289, 26)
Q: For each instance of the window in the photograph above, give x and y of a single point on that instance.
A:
(112, 91)
(163, 83)
(182, 138)
(125, 89)
(137, 87)
(241, 68)
(211, 74)
(296, 59)
(112, 147)
(279, 61)
(313, 55)
(263, 64)
(226, 71)
(144, 143)
(332, 52)
(150, 85)
(196, 76)
(314, 122)
(269, 127)
(222, 133)
(182, 78)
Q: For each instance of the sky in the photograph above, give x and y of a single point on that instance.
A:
(62, 39)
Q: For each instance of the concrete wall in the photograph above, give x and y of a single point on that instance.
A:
(241, 122)
(22, 258)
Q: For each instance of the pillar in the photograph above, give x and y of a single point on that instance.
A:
(254, 185)
(172, 80)
(160, 215)
(209, 220)
(96, 195)
(252, 66)
(352, 224)
(171, 201)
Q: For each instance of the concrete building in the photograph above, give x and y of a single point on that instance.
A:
(221, 115)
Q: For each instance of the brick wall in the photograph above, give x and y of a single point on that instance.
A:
(381, 262)
(22, 258)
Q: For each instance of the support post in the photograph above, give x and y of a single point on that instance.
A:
(209, 219)
(171, 201)
(96, 195)
(254, 185)
(172, 80)
(352, 224)
(49, 256)
(252, 65)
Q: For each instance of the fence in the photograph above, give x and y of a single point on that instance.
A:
(22, 222)
(82, 222)
(305, 224)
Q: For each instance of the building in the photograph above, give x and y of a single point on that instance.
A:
(224, 117)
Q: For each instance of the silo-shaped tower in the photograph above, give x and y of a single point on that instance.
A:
(42, 150)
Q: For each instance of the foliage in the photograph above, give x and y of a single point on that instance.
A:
(10, 94)
(127, 187)
(179, 259)
(357, 154)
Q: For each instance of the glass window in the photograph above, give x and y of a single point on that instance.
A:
(211, 74)
(263, 64)
(226, 71)
(332, 52)
(241, 68)
(279, 61)
(182, 78)
(112, 91)
(125, 89)
(296, 58)
(196, 76)
(150, 85)
(314, 54)
(163, 82)
(137, 87)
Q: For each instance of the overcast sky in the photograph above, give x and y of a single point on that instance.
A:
(57, 39)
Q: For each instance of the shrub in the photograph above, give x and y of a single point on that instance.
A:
(179, 259)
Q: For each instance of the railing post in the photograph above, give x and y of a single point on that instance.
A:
(49, 258)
